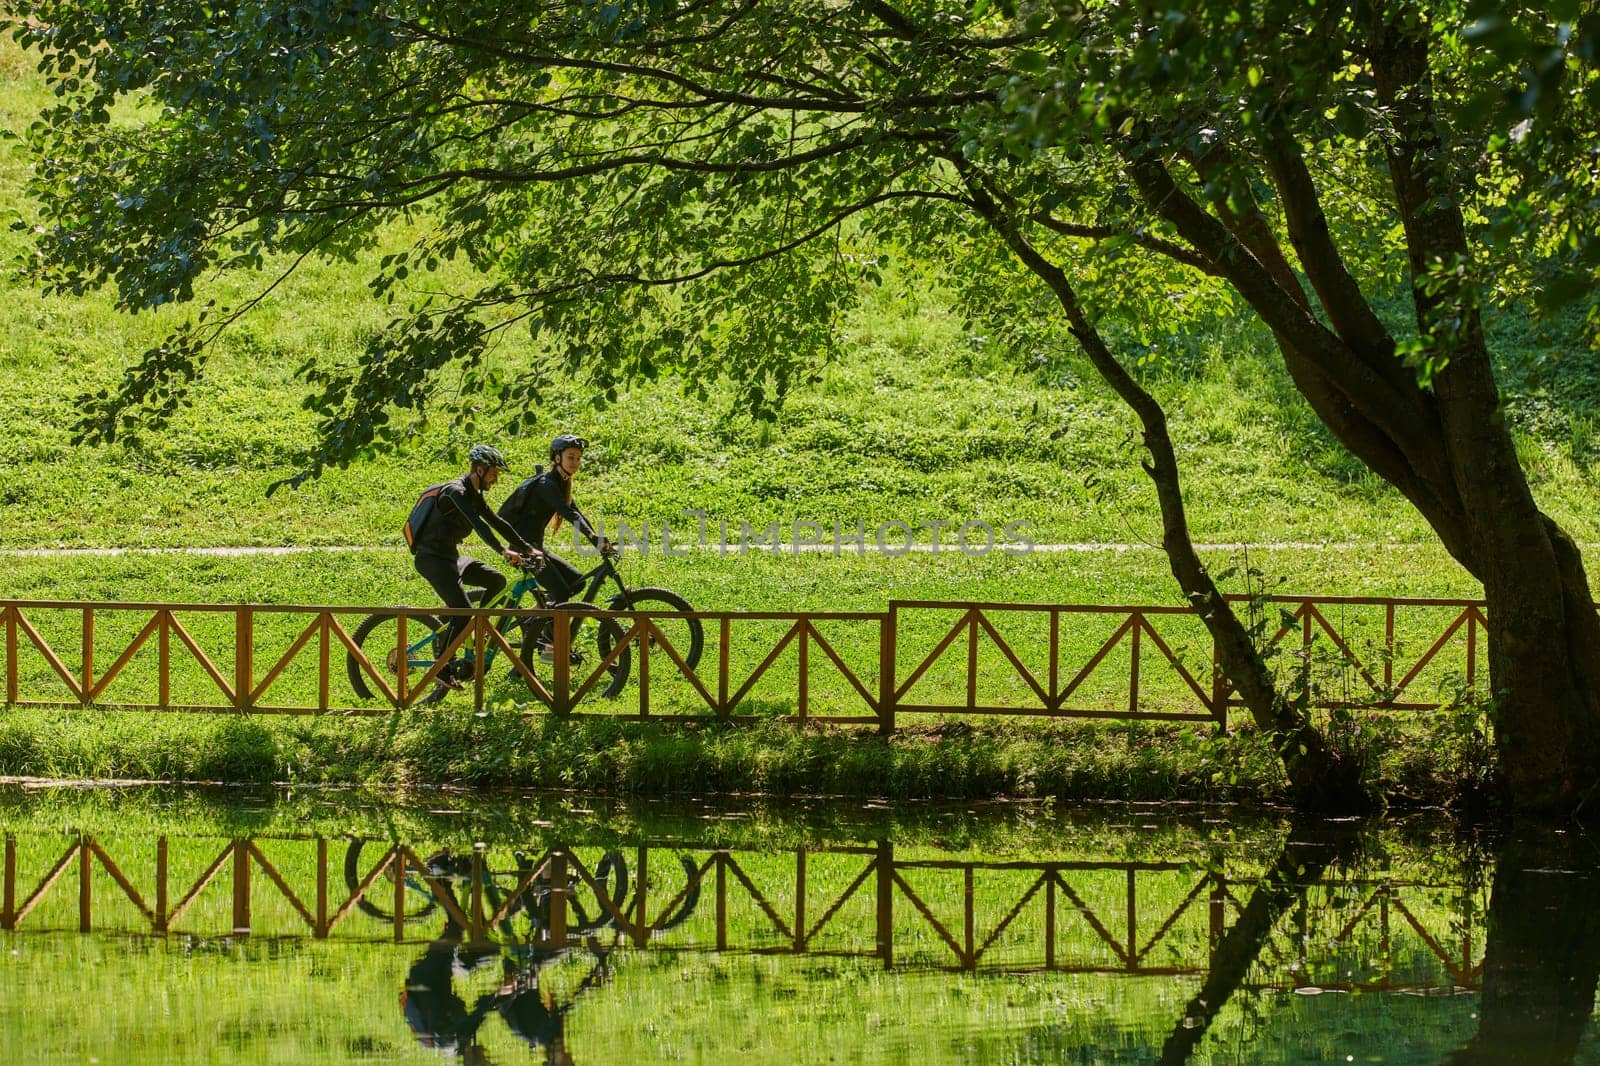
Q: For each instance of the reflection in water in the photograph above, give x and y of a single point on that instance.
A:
(440, 1018)
(1306, 853)
(1138, 942)
(1543, 956)
(433, 1008)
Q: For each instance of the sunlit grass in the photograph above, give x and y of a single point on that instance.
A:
(916, 422)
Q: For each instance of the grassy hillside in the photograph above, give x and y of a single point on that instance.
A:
(915, 423)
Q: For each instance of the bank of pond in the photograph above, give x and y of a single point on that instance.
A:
(160, 924)
(1443, 761)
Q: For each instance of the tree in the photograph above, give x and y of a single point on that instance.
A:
(698, 185)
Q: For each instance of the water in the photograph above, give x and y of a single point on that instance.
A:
(221, 927)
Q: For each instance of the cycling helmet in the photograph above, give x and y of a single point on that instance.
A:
(565, 441)
(484, 455)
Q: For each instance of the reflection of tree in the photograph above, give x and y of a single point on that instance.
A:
(1542, 959)
(1307, 851)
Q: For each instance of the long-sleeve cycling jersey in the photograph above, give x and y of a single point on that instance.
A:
(458, 510)
(533, 503)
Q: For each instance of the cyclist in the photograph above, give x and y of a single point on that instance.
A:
(458, 509)
(546, 498)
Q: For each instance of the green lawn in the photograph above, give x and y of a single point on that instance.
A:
(917, 422)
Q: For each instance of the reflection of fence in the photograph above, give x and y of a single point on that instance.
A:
(1047, 660)
(1145, 918)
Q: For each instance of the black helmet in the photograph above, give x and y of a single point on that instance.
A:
(565, 441)
(484, 455)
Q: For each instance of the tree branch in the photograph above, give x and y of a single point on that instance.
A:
(1384, 426)
(1310, 764)
(1341, 297)
(838, 103)
(1249, 225)
(1188, 257)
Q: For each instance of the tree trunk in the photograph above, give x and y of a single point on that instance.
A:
(1318, 776)
(1544, 636)
(1436, 431)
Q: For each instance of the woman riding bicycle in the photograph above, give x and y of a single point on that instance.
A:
(546, 498)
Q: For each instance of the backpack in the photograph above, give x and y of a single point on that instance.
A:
(420, 511)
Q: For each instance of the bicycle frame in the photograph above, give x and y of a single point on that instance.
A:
(597, 579)
(419, 653)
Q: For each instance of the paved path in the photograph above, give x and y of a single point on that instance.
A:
(848, 548)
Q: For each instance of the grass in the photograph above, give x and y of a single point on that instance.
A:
(1066, 761)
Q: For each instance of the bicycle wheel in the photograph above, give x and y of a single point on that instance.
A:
(686, 635)
(592, 640)
(378, 638)
(611, 885)
(691, 898)
(419, 898)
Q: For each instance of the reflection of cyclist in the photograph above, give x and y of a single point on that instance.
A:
(531, 1012)
(544, 498)
(435, 1013)
(459, 509)
(440, 1018)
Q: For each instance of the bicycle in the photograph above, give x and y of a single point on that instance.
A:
(516, 891)
(685, 635)
(519, 892)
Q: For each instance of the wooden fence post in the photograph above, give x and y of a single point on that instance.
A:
(725, 626)
(85, 884)
(886, 669)
(8, 917)
(558, 898)
(322, 888)
(244, 640)
(241, 887)
(161, 884)
(11, 655)
(1219, 689)
(163, 659)
(885, 884)
(561, 669)
(88, 652)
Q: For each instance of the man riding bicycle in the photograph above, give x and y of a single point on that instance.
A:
(547, 497)
(459, 508)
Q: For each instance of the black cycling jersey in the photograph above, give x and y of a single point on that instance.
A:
(538, 499)
(458, 510)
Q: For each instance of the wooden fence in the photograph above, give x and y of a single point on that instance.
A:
(851, 901)
(838, 667)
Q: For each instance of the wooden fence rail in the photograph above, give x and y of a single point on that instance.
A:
(836, 667)
(861, 901)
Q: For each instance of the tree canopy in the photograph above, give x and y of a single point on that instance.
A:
(646, 183)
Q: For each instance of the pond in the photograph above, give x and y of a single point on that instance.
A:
(156, 925)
